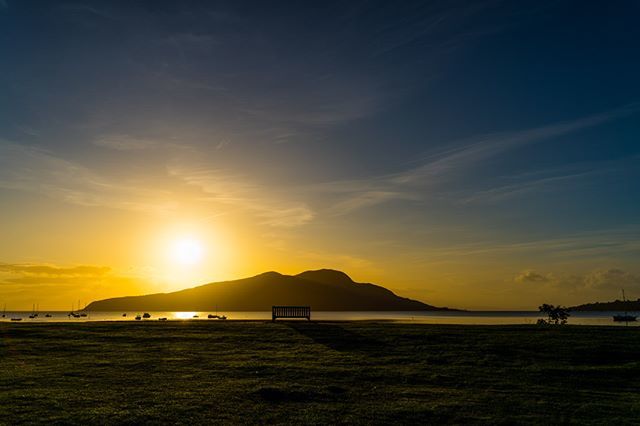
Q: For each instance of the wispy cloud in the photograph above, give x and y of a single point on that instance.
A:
(32, 169)
(236, 191)
(604, 243)
(610, 280)
(530, 276)
(438, 168)
(47, 270)
(25, 283)
(505, 192)
(125, 142)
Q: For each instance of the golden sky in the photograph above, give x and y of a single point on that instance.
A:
(467, 157)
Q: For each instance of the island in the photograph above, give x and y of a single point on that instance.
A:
(323, 290)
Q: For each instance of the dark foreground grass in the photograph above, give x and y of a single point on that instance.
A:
(326, 372)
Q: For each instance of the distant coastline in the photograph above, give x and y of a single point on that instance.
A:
(616, 305)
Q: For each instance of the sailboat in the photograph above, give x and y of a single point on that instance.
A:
(33, 312)
(626, 317)
(72, 313)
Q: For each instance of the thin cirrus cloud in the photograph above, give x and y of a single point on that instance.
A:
(31, 169)
(125, 142)
(36, 170)
(30, 269)
(587, 246)
(437, 169)
(608, 280)
(522, 187)
(235, 191)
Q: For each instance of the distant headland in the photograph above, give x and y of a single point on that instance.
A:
(323, 290)
(616, 305)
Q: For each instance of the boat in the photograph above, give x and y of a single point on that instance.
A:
(211, 316)
(47, 316)
(162, 319)
(73, 313)
(195, 316)
(34, 314)
(16, 319)
(222, 317)
(138, 317)
(146, 315)
(4, 310)
(626, 317)
(124, 315)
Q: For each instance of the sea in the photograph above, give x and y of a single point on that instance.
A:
(422, 317)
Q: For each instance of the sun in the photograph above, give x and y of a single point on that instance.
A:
(187, 251)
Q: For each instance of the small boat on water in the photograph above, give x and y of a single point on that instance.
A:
(73, 313)
(124, 315)
(47, 316)
(16, 319)
(162, 319)
(222, 317)
(195, 316)
(146, 315)
(211, 316)
(138, 317)
(626, 317)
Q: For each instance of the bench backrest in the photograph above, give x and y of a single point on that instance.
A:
(291, 312)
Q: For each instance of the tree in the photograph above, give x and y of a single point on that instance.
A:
(555, 314)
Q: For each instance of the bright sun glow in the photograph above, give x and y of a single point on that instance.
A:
(187, 251)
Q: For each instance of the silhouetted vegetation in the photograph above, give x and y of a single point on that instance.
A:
(556, 315)
(177, 372)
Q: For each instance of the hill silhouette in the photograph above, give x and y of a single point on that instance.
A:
(323, 290)
(616, 305)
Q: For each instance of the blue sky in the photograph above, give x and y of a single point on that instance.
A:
(413, 144)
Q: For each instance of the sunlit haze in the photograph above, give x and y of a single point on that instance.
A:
(464, 155)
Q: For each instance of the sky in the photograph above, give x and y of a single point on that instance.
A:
(478, 155)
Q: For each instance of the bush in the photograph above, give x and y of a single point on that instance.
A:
(555, 314)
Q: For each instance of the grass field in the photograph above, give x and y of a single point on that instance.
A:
(196, 372)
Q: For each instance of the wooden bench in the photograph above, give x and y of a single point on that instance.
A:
(290, 312)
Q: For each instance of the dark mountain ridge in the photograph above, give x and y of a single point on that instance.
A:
(323, 290)
(616, 305)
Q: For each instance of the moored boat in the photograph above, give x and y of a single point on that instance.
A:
(626, 317)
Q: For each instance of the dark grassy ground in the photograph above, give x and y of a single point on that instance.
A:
(298, 372)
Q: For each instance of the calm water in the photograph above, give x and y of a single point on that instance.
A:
(476, 317)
